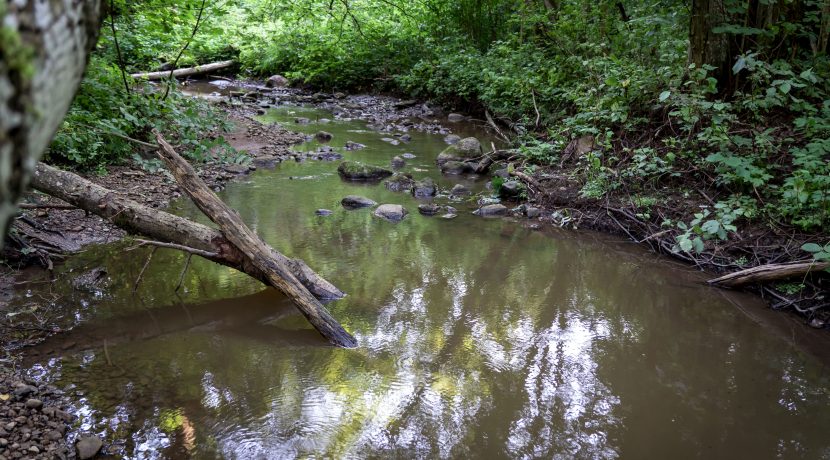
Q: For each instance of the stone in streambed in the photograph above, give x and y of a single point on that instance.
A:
(464, 150)
(510, 189)
(424, 188)
(34, 403)
(354, 146)
(456, 167)
(276, 81)
(491, 210)
(359, 172)
(323, 136)
(323, 212)
(452, 139)
(455, 117)
(429, 209)
(459, 190)
(398, 162)
(88, 446)
(356, 202)
(400, 182)
(391, 212)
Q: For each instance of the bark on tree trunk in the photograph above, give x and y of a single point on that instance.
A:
(162, 226)
(705, 46)
(43, 54)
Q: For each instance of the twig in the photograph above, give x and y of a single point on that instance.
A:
(118, 49)
(184, 48)
(184, 271)
(180, 247)
(538, 116)
(492, 123)
(143, 269)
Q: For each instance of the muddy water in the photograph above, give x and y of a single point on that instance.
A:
(478, 338)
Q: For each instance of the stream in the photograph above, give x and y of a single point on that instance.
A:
(482, 338)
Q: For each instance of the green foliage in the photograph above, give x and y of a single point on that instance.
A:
(103, 115)
(707, 225)
(820, 253)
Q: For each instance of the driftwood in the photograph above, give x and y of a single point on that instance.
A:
(530, 181)
(185, 72)
(274, 266)
(163, 226)
(772, 272)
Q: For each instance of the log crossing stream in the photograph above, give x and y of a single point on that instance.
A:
(482, 338)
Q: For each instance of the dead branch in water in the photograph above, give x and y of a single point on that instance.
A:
(771, 272)
(185, 72)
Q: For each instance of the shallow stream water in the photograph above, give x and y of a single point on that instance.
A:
(477, 338)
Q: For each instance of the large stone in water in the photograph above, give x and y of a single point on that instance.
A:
(356, 202)
(276, 81)
(424, 188)
(391, 212)
(463, 150)
(359, 172)
(492, 210)
(88, 446)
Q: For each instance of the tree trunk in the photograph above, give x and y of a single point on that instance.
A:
(43, 54)
(707, 47)
(198, 70)
(165, 227)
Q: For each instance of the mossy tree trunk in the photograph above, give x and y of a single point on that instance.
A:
(44, 47)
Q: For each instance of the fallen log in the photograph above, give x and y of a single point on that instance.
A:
(185, 72)
(159, 225)
(772, 272)
(275, 266)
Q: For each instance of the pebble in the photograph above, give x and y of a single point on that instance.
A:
(34, 403)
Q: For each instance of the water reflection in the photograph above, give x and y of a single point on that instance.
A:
(477, 339)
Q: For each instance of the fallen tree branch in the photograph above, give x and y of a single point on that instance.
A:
(533, 182)
(185, 72)
(772, 272)
(271, 263)
(162, 226)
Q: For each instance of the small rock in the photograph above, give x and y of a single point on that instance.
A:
(406, 138)
(459, 189)
(34, 403)
(532, 212)
(324, 120)
(339, 95)
(449, 216)
(429, 209)
(24, 390)
(399, 182)
(452, 139)
(54, 435)
(34, 450)
(390, 140)
(260, 111)
(424, 188)
(408, 156)
(323, 136)
(88, 446)
(398, 162)
(455, 117)
(456, 167)
(510, 189)
(491, 210)
(356, 202)
(276, 81)
(353, 146)
(323, 212)
(302, 120)
(391, 212)
(359, 172)
(236, 168)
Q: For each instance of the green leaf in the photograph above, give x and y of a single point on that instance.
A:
(811, 247)
(785, 87)
(698, 245)
(664, 95)
(685, 244)
(711, 227)
(740, 64)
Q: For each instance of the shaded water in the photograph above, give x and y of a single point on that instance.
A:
(478, 338)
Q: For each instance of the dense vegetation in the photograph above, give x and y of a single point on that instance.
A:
(723, 96)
